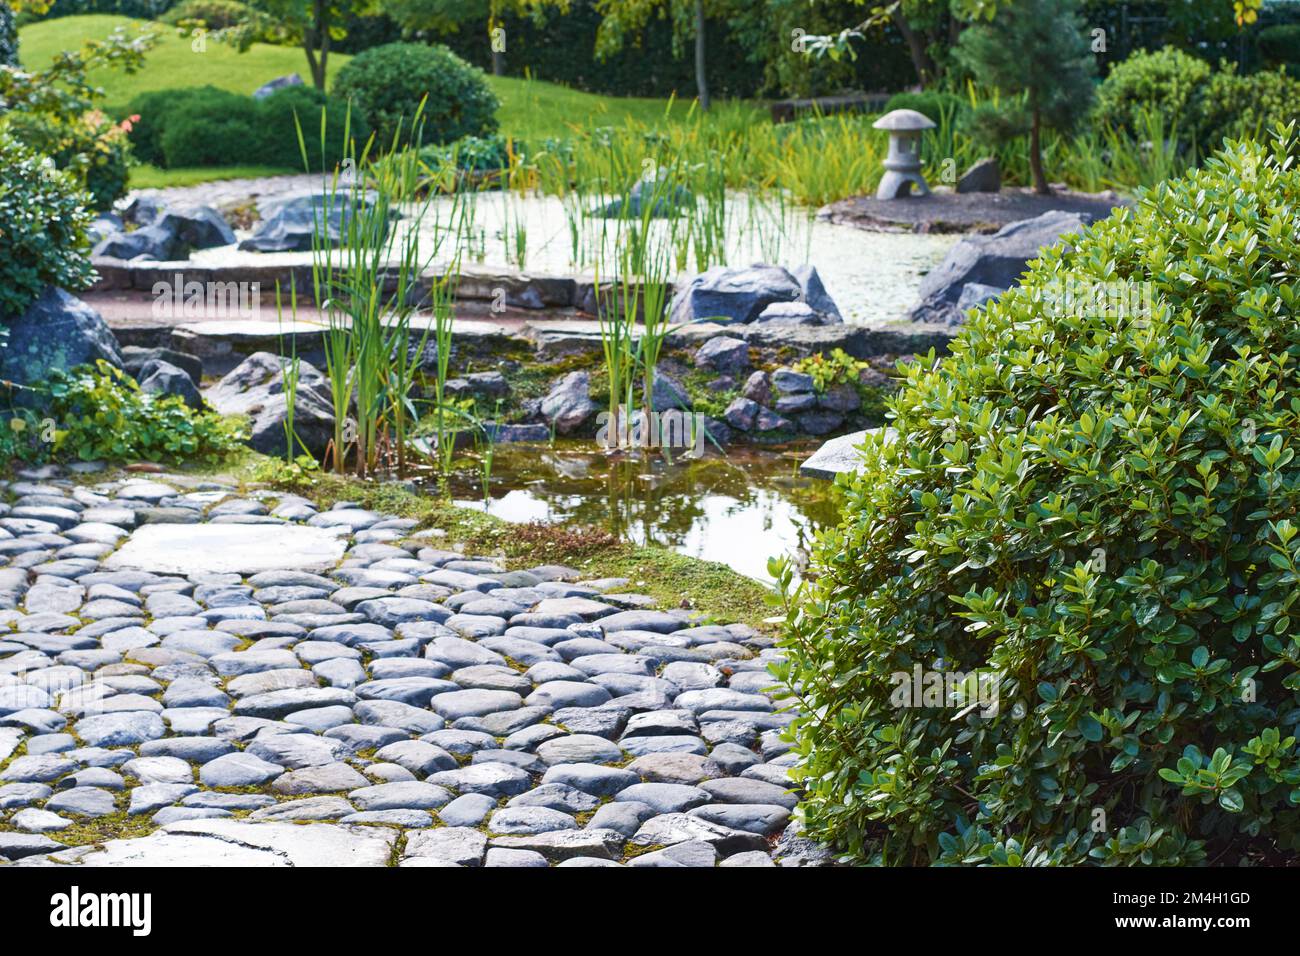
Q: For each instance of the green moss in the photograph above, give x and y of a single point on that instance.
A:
(674, 580)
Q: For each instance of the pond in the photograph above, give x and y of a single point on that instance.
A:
(872, 276)
(738, 509)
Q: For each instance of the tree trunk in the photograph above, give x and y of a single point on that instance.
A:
(701, 77)
(317, 35)
(921, 61)
(1036, 156)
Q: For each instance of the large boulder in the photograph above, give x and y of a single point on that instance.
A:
(147, 242)
(568, 406)
(57, 332)
(984, 176)
(143, 210)
(163, 378)
(255, 388)
(289, 223)
(995, 261)
(196, 227)
(741, 294)
(135, 358)
(170, 235)
(814, 292)
(104, 225)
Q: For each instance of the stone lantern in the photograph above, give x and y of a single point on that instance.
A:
(903, 164)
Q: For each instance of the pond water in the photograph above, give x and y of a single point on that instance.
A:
(872, 276)
(738, 509)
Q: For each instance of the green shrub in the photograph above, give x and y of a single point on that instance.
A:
(197, 135)
(1234, 106)
(96, 151)
(206, 126)
(100, 413)
(472, 154)
(1280, 44)
(933, 104)
(157, 110)
(43, 240)
(1166, 80)
(1204, 105)
(278, 144)
(213, 14)
(389, 83)
(1094, 509)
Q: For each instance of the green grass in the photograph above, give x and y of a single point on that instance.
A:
(529, 108)
(151, 177)
(169, 65)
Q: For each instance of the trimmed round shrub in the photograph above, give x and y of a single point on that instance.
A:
(197, 135)
(389, 83)
(207, 126)
(1164, 81)
(1058, 622)
(280, 115)
(156, 110)
(45, 215)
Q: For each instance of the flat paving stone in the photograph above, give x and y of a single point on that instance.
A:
(260, 691)
(243, 549)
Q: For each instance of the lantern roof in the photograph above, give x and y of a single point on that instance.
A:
(904, 121)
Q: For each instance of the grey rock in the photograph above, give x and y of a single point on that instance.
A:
(460, 845)
(733, 294)
(255, 388)
(467, 811)
(983, 176)
(163, 378)
(238, 770)
(279, 83)
(57, 332)
(568, 405)
(665, 797)
(493, 779)
(997, 260)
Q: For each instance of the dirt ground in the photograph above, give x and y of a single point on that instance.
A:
(945, 211)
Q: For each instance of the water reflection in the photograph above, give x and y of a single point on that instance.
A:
(739, 509)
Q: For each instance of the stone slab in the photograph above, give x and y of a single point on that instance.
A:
(839, 455)
(225, 548)
(221, 842)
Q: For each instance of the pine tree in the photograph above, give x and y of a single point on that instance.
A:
(1034, 48)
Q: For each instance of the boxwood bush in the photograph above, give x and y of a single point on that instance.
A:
(1202, 104)
(45, 214)
(207, 126)
(1095, 508)
(1164, 80)
(389, 82)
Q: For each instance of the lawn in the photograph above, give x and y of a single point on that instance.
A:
(529, 108)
